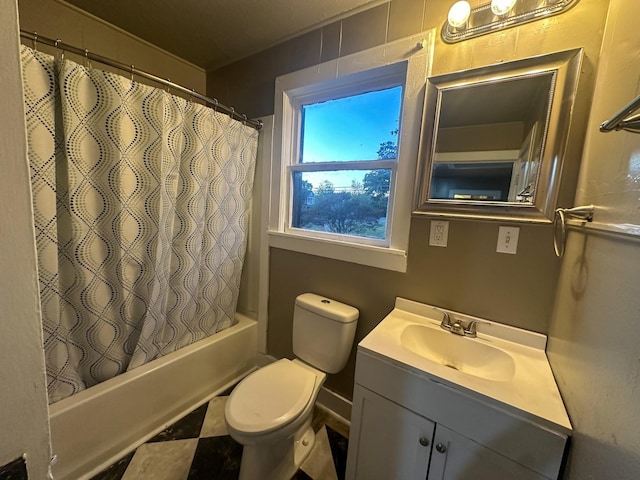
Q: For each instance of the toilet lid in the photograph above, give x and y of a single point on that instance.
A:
(270, 397)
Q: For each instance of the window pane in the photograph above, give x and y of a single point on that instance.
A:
(360, 127)
(348, 202)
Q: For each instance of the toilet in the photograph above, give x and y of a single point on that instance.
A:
(269, 412)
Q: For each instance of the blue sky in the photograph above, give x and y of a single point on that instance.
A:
(349, 129)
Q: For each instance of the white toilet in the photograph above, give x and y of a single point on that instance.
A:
(269, 412)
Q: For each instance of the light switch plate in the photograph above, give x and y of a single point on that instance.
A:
(508, 240)
(439, 234)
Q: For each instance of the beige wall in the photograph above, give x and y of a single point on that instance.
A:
(24, 426)
(468, 275)
(57, 19)
(594, 346)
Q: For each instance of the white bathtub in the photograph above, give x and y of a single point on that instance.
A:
(94, 428)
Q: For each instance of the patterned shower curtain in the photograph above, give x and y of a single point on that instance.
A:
(140, 205)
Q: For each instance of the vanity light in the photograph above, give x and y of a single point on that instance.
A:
(459, 14)
(502, 7)
(497, 15)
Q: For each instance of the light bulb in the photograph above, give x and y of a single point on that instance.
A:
(459, 14)
(502, 7)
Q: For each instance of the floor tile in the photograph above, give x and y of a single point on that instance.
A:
(187, 427)
(339, 445)
(214, 424)
(115, 471)
(319, 465)
(216, 458)
(162, 460)
(16, 470)
(300, 475)
(198, 447)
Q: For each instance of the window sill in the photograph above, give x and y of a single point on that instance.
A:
(372, 256)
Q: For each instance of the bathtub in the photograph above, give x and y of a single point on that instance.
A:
(92, 429)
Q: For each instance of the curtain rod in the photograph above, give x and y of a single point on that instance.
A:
(33, 36)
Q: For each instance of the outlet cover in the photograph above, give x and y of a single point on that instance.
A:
(508, 240)
(439, 234)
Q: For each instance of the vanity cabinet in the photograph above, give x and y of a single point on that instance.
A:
(390, 441)
(407, 426)
(455, 457)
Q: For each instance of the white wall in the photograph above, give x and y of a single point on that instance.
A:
(24, 425)
(594, 344)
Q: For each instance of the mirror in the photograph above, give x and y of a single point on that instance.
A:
(493, 139)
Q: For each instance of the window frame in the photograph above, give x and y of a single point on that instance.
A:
(388, 78)
(402, 63)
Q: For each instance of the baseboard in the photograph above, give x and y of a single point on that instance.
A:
(335, 403)
(332, 401)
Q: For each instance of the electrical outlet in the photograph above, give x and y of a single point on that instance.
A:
(439, 233)
(508, 240)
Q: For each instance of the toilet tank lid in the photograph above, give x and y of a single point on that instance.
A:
(332, 309)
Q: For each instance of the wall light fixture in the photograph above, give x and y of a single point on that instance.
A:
(464, 22)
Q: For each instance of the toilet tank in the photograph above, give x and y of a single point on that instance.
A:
(323, 331)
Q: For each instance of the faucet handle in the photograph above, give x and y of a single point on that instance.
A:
(446, 319)
(471, 330)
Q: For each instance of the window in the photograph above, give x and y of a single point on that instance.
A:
(347, 160)
(344, 156)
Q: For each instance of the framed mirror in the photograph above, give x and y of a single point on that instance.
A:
(494, 138)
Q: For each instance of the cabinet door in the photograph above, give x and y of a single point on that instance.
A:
(456, 457)
(386, 441)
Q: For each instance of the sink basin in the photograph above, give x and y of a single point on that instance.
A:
(467, 355)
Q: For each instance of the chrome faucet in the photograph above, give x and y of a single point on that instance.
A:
(459, 328)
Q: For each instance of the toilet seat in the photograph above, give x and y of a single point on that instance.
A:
(270, 398)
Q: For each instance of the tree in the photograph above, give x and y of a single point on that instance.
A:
(302, 190)
(325, 187)
(376, 183)
(388, 149)
(342, 212)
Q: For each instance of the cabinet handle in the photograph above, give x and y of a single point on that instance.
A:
(424, 441)
(441, 448)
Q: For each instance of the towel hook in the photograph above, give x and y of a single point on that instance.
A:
(584, 213)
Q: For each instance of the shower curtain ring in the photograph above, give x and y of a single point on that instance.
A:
(87, 61)
(168, 85)
(56, 44)
(131, 71)
(233, 112)
(35, 41)
(215, 104)
(244, 119)
(193, 91)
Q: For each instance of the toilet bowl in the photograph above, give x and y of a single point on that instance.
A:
(270, 411)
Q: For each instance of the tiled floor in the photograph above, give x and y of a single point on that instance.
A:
(199, 447)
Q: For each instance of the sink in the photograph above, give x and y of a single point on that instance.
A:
(504, 366)
(471, 356)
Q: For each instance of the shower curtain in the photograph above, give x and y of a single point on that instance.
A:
(140, 203)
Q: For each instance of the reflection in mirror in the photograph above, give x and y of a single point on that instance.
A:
(486, 143)
(493, 138)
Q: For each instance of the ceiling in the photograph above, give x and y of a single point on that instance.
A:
(212, 33)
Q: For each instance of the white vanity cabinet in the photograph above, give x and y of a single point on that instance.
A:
(455, 457)
(389, 440)
(405, 426)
